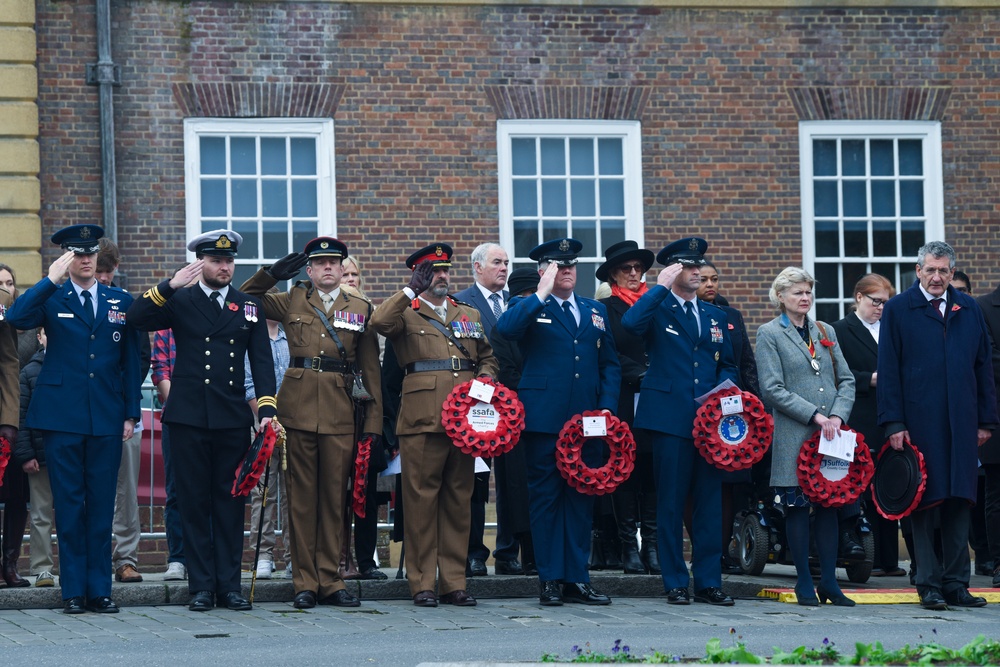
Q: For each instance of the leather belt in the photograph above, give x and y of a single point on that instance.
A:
(453, 364)
(319, 364)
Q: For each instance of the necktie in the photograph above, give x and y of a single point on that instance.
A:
(937, 306)
(216, 299)
(568, 307)
(496, 305)
(442, 312)
(88, 306)
(327, 301)
(690, 323)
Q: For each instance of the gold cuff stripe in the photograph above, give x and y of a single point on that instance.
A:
(154, 295)
(266, 402)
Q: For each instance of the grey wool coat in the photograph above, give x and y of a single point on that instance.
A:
(794, 391)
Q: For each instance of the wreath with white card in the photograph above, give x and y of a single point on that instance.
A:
(482, 417)
(569, 454)
(833, 482)
(732, 430)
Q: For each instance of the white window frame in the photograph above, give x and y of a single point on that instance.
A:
(928, 132)
(629, 131)
(322, 130)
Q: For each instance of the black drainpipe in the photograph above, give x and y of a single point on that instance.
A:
(105, 74)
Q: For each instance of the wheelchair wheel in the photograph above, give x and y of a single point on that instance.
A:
(860, 571)
(754, 545)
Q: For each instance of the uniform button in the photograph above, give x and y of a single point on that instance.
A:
(821, 388)
(817, 372)
(696, 380)
(207, 381)
(232, 354)
(322, 335)
(823, 407)
(231, 342)
(575, 342)
(696, 364)
(576, 375)
(91, 356)
(455, 374)
(230, 369)
(230, 383)
(208, 352)
(92, 337)
(695, 348)
(208, 340)
(576, 358)
(91, 375)
(421, 331)
(208, 367)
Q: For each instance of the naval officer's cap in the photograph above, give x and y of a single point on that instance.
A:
(218, 242)
(81, 239)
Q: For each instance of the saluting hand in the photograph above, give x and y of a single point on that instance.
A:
(423, 276)
(60, 268)
(184, 276)
(667, 276)
(547, 281)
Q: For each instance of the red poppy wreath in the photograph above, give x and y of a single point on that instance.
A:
(4, 456)
(733, 441)
(359, 486)
(833, 482)
(461, 414)
(607, 478)
(249, 472)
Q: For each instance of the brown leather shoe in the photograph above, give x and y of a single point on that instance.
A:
(459, 599)
(425, 599)
(128, 574)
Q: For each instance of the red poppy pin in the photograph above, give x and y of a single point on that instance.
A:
(955, 307)
(463, 318)
(233, 307)
(826, 342)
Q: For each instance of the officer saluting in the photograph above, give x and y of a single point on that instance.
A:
(214, 327)
(86, 402)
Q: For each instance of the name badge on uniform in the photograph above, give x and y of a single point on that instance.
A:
(716, 334)
(69, 315)
(597, 321)
(250, 311)
(342, 319)
(467, 329)
(543, 320)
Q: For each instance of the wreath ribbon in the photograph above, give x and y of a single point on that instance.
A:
(827, 492)
(5, 455)
(734, 441)
(455, 419)
(359, 488)
(607, 478)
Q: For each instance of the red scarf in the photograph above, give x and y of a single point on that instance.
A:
(627, 295)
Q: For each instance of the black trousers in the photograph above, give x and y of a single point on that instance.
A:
(992, 509)
(205, 463)
(951, 572)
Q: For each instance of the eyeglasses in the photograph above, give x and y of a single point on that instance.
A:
(876, 302)
(630, 268)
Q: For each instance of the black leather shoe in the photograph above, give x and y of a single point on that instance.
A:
(102, 605)
(512, 567)
(475, 567)
(202, 601)
(996, 577)
(530, 569)
(73, 606)
(550, 594)
(963, 598)
(425, 599)
(985, 567)
(731, 566)
(373, 573)
(678, 596)
(932, 599)
(459, 599)
(583, 594)
(237, 602)
(304, 600)
(341, 599)
(850, 548)
(712, 595)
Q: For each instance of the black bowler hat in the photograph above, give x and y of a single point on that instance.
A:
(81, 239)
(439, 253)
(522, 279)
(561, 251)
(688, 252)
(620, 253)
(899, 482)
(326, 246)
(218, 242)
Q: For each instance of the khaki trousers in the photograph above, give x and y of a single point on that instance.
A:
(42, 516)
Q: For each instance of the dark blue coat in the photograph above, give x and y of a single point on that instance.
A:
(680, 368)
(90, 382)
(936, 380)
(565, 372)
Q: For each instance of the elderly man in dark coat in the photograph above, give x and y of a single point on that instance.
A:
(935, 387)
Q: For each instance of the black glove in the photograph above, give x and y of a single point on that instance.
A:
(376, 439)
(9, 432)
(288, 266)
(423, 275)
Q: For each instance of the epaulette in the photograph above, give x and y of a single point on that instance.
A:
(459, 303)
(350, 291)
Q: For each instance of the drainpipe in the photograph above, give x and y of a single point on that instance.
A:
(105, 74)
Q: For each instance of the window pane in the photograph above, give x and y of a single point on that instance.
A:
(853, 157)
(244, 197)
(884, 198)
(825, 199)
(272, 157)
(887, 271)
(613, 197)
(912, 236)
(242, 155)
(525, 197)
(882, 158)
(553, 198)
(855, 238)
(827, 239)
(213, 198)
(553, 157)
(248, 230)
(302, 233)
(582, 193)
(911, 158)
(553, 229)
(908, 273)
(586, 281)
(855, 199)
(525, 236)
(828, 312)
(884, 238)
(825, 157)
(609, 152)
(275, 239)
(585, 231)
(304, 202)
(581, 157)
(612, 232)
(212, 152)
(274, 199)
(522, 157)
(826, 281)
(911, 198)
(303, 156)
(244, 272)
(852, 274)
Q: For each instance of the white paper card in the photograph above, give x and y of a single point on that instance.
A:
(841, 447)
(719, 387)
(481, 465)
(595, 427)
(481, 391)
(483, 418)
(395, 467)
(732, 405)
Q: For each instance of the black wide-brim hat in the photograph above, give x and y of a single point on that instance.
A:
(899, 482)
(622, 252)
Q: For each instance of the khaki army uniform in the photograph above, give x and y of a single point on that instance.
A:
(437, 477)
(315, 407)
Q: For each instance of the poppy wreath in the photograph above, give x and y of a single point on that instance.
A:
(359, 488)
(4, 457)
(249, 472)
(732, 442)
(455, 419)
(821, 490)
(607, 478)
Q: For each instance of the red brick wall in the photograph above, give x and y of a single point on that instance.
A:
(415, 127)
